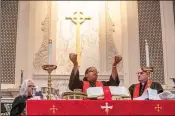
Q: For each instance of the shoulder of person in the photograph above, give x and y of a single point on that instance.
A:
(20, 99)
(132, 86)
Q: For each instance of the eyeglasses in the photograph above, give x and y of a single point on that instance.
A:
(141, 73)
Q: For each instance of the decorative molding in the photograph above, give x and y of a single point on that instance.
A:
(42, 55)
(59, 76)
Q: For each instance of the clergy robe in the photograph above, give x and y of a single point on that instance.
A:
(154, 85)
(18, 105)
(76, 83)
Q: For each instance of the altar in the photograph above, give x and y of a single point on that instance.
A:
(100, 107)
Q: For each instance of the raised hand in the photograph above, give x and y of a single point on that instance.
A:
(117, 59)
(73, 58)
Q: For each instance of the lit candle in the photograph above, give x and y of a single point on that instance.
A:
(147, 53)
(50, 51)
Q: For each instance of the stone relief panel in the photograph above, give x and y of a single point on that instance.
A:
(90, 51)
(89, 34)
(113, 33)
(66, 43)
(41, 56)
(66, 36)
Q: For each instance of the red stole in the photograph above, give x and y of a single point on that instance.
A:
(137, 89)
(106, 90)
(107, 93)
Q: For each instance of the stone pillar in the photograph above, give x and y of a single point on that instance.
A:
(25, 40)
(168, 40)
(131, 55)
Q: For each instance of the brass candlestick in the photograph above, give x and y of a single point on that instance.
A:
(49, 69)
(148, 70)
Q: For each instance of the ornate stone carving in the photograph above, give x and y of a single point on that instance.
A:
(110, 45)
(41, 57)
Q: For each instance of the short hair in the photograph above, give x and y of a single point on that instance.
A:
(87, 71)
(90, 69)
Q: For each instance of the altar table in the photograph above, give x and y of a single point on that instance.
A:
(100, 107)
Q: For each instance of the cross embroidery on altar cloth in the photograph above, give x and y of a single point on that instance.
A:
(53, 109)
(106, 107)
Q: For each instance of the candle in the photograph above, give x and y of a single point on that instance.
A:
(50, 51)
(147, 53)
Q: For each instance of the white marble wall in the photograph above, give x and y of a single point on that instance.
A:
(22, 53)
(63, 36)
(25, 40)
(30, 37)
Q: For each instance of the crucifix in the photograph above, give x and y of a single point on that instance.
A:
(106, 107)
(78, 18)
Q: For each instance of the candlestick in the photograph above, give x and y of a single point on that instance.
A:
(147, 53)
(49, 69)
(50, 52)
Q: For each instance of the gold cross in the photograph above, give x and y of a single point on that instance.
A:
(53, 109)
(78, 18)
(157, 108)
(106, 107)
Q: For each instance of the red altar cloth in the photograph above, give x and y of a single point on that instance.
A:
(97, 107)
